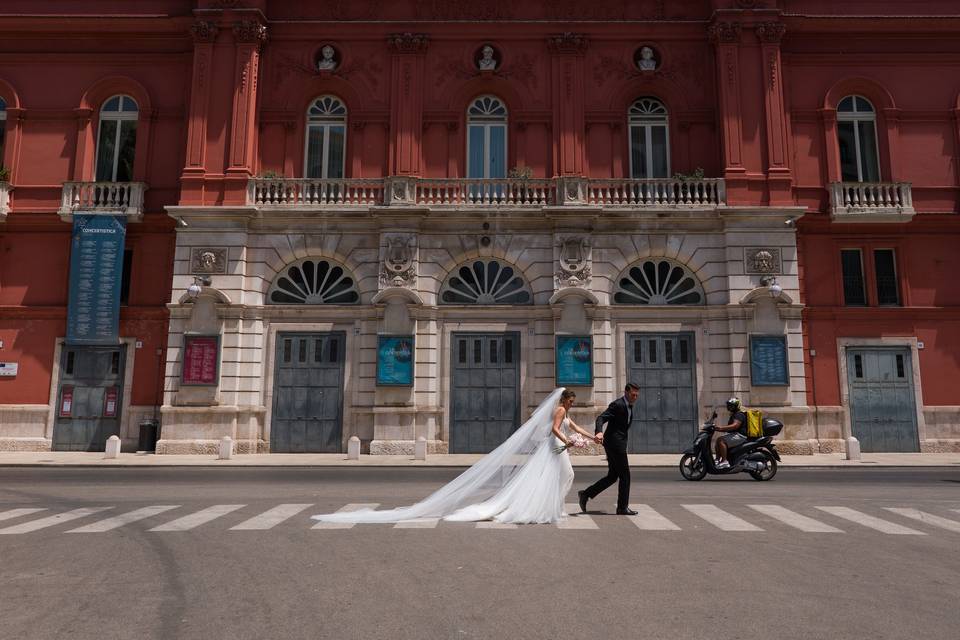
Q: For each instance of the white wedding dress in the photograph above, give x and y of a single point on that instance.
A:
(521, 481)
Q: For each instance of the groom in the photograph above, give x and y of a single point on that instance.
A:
(617, 417)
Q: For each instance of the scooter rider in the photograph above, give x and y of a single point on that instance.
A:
(734, 434)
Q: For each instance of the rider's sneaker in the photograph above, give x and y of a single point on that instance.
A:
(723, 465)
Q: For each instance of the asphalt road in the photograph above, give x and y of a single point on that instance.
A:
(616, 579)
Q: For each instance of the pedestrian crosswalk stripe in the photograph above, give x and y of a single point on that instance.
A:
(794, 519)
(16, 513)
(122, 519)
(871, 522)
(488, 524)
(346, 525)
(200, 517)
(575, 519)
(720, 518)
(647, 519)
(937, 521)
(49, 521)
(418, 523)
(271, 518)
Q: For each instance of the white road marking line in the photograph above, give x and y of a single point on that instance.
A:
(50, 521)
(349, 507)
(870, 522)
(419, 523)
(16, 513)
(793, 519)
(929, 518)
(647, 519)
(271, 517)
(575, 519)
(122, 519)
(720, 518)
(200, 517)
(490, 524)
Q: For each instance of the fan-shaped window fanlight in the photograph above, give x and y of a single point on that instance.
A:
(313, 282)
(658, 281)
(485, 282)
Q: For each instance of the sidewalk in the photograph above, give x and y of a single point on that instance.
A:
(81, 459)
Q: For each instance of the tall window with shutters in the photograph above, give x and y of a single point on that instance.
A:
(326, 138)
(857, 139)
(117, 139)
(487, 138)
(649, 139)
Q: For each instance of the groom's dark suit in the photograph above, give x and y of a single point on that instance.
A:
(617, 417)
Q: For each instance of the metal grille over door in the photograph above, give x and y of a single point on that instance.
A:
(665, 415)
(883, 412)
(308, 393)
(89, 398)
(485, 394)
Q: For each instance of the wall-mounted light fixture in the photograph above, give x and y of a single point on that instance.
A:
(771, 283)
(196, 288)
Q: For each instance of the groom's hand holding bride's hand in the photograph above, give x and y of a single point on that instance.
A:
(598, 437)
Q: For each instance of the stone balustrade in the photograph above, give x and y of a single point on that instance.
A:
(336, 192)
(5, 190)
(871, 201)
(403, 191)
(122, 198)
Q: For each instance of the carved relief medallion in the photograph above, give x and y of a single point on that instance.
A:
(398, 262)
(208, 260)
(574, 261)
(765, 260)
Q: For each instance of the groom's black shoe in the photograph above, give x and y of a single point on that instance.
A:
(583, 500)
(626, 512)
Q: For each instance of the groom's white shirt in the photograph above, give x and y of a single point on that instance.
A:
(629, 411)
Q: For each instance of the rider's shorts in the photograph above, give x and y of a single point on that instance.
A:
(734, 439)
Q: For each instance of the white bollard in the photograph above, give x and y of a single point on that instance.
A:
(113, 447)
(853, 448)
(420, 449)
(226, 448)
(353, 448)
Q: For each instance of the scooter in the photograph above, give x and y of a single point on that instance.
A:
(756, 456)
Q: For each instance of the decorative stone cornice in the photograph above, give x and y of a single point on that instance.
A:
(724, 32)
(249, 31)
(567, 43)
(770, 32)
(204, 31)
(408, 42)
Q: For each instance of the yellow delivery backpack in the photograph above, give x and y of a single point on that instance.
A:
(754, 423)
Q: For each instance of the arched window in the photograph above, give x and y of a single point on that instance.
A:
(485, 281)
(857, 139)
(658, 281)
(649, 139)
(313, 281)
(326, 138)
(117, 139)
(3, 129)
(487, 138)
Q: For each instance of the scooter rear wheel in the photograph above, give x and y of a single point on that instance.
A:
(769, 470)
(692, 467)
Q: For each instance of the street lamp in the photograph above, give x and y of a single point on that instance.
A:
(774, 287)
(196, 288)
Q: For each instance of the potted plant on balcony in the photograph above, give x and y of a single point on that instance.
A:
(520, 172)
(697, 174)
(4, 174)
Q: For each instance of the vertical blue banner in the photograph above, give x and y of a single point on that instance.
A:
(96, 267)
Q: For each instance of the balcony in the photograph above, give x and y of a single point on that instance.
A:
(468, 193)
(117, 198)
(5, 190)
(871, 202)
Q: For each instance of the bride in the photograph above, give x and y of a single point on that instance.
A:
(524, 480)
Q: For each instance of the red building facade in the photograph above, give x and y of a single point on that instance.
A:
(715, 197)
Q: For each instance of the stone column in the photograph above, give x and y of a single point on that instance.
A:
(726, 37)
(779, 177)
(249, 36)
(204, 35)
(406, 100)
(567, 51)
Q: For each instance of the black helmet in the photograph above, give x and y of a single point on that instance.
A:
(733, 404)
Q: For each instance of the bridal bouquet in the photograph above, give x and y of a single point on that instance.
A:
(576, 440)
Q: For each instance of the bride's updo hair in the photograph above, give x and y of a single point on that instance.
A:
(567, 393)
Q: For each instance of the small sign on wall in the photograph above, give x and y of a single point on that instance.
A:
(110, 398)
(9, 369)
(574, 358)
(66, 402)
(201, 360)
(768, 361)
(395, 360)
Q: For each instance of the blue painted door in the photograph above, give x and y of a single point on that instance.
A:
(665, 414)
(883, 414)
(485, 407)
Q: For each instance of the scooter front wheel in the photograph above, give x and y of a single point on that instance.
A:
(769, 469)
(692, 467)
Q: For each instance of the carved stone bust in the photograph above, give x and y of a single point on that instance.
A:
(327, 60)
(647, 61)
(487, 61)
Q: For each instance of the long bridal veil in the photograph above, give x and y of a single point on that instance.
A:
(481, 481)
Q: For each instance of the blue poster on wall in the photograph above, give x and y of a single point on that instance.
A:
(395, 360)
(768, 361)
(96, 267)
(574, 359)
